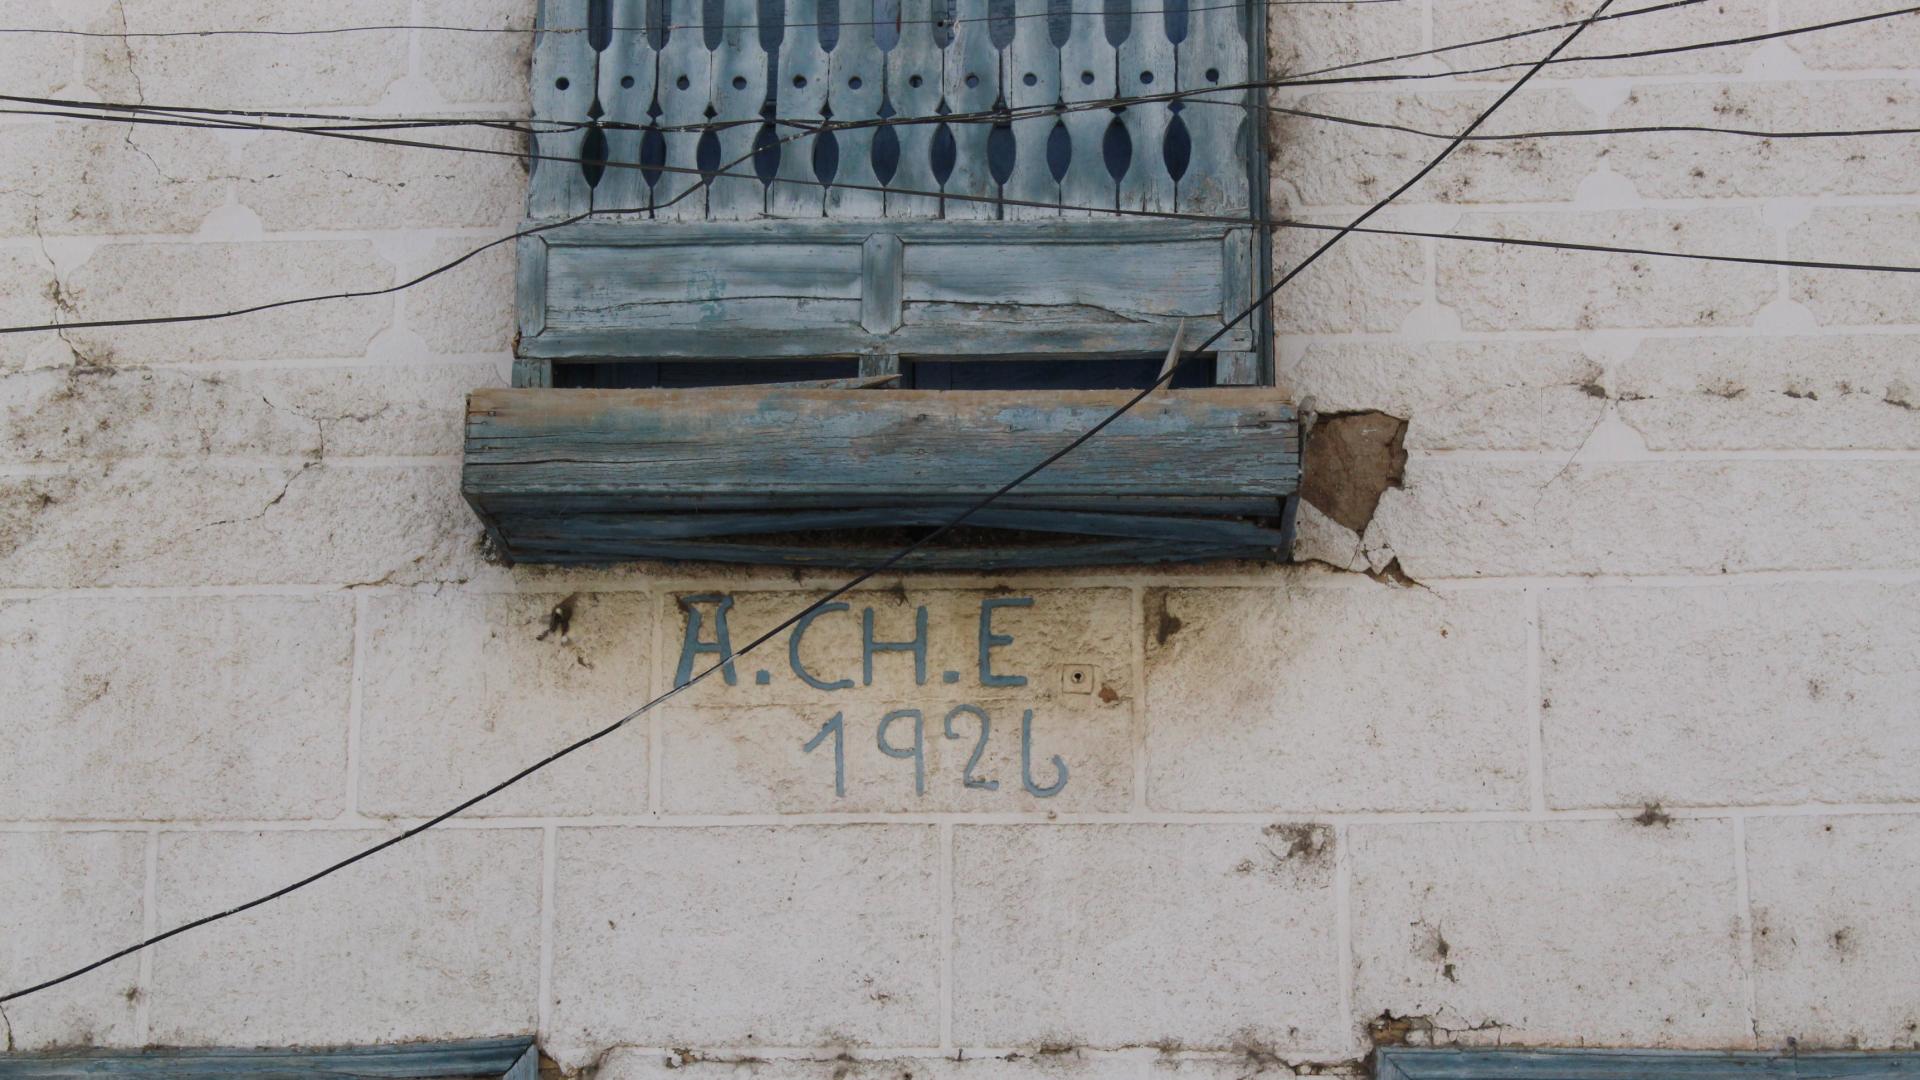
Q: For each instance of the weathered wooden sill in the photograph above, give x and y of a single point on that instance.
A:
(839, 477)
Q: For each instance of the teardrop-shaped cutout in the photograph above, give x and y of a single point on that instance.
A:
(1176, 148)
(827, 15)
(1174, 16)
(885, 150)
(1059, 151)
(1000, 22)
(1117, 21)
(653, 156)
(943, 154)
(658, 29)
(706, 154)
(1059, 22)
(766, 154)
(593, 155)
(773, 25)
(1002, 149)
(826, 156)
(599, 24)
(886, 24)
(1117, 148)
(886, 154)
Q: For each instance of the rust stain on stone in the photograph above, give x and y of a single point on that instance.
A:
(1161, 623)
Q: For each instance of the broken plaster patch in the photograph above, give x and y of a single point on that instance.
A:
(1351, 460)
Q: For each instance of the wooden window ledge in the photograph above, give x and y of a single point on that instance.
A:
(842, 478)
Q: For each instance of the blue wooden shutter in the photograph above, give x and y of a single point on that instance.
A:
(941, 240)
(985, 238)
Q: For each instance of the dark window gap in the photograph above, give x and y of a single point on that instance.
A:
(1104, 373)
(1108, 373)
(671, 374)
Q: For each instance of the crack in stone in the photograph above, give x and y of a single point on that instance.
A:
(139, 96)
(271, 503)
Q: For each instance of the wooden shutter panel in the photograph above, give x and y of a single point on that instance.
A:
(974, 234)
(919, 239)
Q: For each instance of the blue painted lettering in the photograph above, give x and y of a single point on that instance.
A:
(692, 646)
(989, 639)
(967, 778)
(793, 650)
(919, 751)
(838, 729)
(1026, 763)
(918, 646)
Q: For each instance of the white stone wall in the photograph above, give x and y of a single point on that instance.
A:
(1622, 752)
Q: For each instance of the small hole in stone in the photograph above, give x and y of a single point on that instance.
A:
(1146, 76)
(739, 82)
(1029, 78)
(914, 82)
(973, 81)
(626, 82)
(799, 81)
(1213, 74)
(561, 83)
(682, 82)
(853, 83)
(1086, 78)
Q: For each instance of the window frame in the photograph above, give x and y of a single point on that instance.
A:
(495, 1059)
(1437, 1063)
(874, 333)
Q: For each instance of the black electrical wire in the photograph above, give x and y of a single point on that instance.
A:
(111, 114)
(1665, 50)
(1568, 133)
(562, 125)
(1514, 35)
(55, 31)
(1003, 114)
(375, 123)
(1302, 79)
(726, 173)
(853, 583)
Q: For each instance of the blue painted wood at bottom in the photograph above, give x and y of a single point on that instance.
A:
(844, 478)
(1419, 1063)
(497, 1059)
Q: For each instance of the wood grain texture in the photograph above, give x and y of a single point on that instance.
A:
(858, 74)
(1408, 1063)
(685, 70)
(1179, 443)
(1086, 75)
(1146, 66)
(765, 265)
(852, 556)
(745, 78)
(799, 92)
(625, 89)
(915, 68)
(1062, 287)
(780, 476)
(1032, 73)
(972, 84)
(563, 90)
(508, 1059)
(1215, 54)
(738, 89)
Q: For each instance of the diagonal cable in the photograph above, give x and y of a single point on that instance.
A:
(853, 583)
